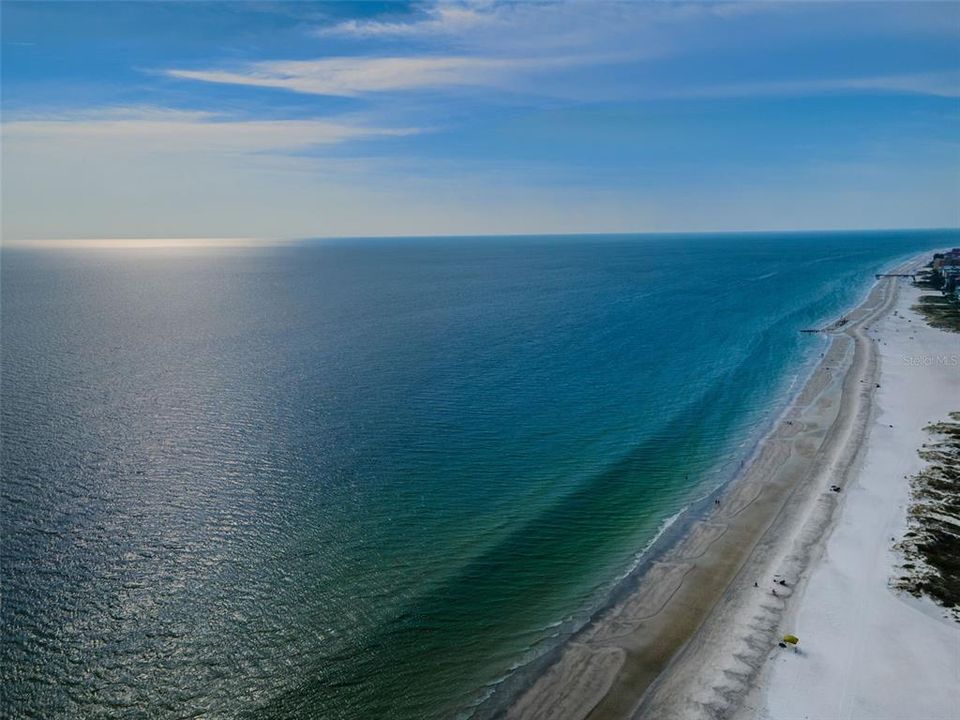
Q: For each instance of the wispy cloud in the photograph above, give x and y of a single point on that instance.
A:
(446, 19)
(354, 76)
(572, 23)
(348, 76)
(491, 45)
(552, 49)
(177, 131)
(937, 84)
(132, 172)
(351, 76)
(541, 116)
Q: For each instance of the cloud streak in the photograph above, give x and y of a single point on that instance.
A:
(175, 131)
(529, 116)
(527, 24)
(447, 19)
(936, 84)
(353, 76)
(149, 172)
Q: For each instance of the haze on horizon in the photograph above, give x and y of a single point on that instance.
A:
(187, 120)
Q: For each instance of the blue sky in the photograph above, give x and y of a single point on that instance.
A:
(193, 119)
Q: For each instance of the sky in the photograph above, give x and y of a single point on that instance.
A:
(286, 120)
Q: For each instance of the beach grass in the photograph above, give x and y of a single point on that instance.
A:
(931, 545)
(940, 312)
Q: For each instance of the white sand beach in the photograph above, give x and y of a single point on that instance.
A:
(866, 650)
(785, 553)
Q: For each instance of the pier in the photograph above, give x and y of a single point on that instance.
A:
(912, 276)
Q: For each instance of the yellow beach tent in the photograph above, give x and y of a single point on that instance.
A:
(792, 639)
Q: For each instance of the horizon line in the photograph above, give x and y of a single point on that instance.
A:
(158, 243)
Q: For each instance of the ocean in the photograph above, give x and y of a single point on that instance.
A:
(371, 478)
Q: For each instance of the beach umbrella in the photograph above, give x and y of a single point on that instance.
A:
(791, 639)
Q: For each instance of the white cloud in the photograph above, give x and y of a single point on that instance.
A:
(167, 179)
(349, 76)
(543, 49)
(113, 129)
(345, 76)
(945, 84)
(445, 19)
(508, 46)
(128, 172)
(143, 183)
(939, 84)
(135, 171)
(526, 24)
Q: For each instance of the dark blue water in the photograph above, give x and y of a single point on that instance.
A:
(362, 479)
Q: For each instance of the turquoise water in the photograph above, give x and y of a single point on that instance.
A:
(370, 478)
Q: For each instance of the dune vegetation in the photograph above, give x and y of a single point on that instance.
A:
(931, 545)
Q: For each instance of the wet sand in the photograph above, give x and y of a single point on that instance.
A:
(648, 655)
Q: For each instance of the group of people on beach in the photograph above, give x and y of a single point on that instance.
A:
(777, 580)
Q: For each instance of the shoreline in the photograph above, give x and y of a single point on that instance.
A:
(849, 597)
(621, 663)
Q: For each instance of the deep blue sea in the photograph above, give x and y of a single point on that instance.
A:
(363, 479)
